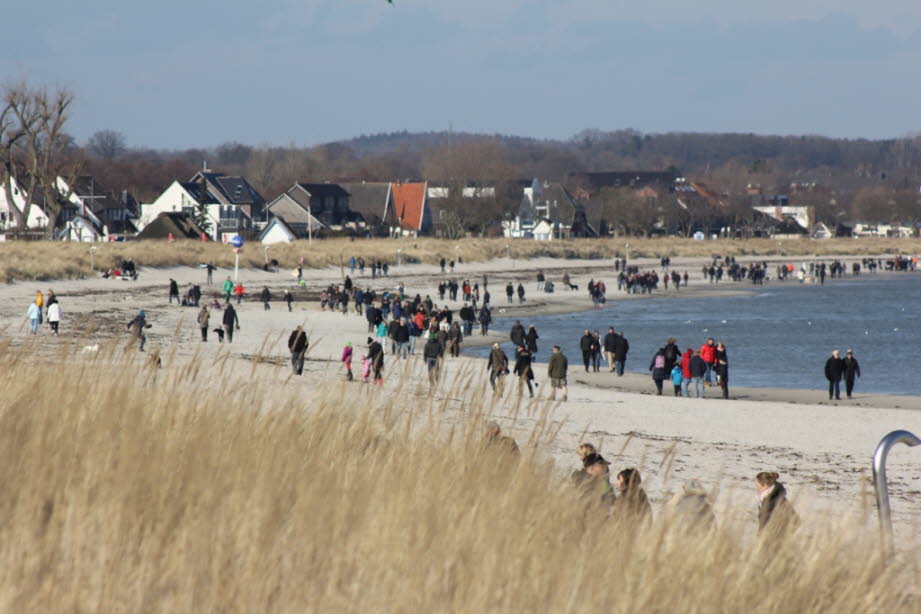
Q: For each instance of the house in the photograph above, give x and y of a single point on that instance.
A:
(804, 216)
(549, 211)
(821, 231)
(412, 215)
(231, 205)
(177, 224)
(315, 206)
(36, 220)
(373, 201)
(789, 228)
(278, 231)
(117, 215)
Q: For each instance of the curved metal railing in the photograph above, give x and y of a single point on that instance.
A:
(882, 486)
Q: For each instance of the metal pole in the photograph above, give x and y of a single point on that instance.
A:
(309, 224)
(236, 264)
(882, 487)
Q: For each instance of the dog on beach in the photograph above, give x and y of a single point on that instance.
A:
(573, 286)
(220, 334)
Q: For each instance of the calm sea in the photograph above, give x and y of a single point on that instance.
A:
(779, 336)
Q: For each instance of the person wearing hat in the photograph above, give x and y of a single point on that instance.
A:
(598, 481)
(136, 328)
(851, 370)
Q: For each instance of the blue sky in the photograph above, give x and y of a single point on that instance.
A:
(201, 72)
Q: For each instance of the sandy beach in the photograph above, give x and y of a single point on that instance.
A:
(821, 450)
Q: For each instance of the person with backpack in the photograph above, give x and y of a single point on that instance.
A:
(657, 367)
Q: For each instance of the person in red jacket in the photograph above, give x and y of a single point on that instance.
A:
(686, 371)
(708, 354)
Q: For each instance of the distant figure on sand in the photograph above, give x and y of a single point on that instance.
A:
(136, 329)
(230, 321)
(497, 364)
(851, 368)
(834, 369)
(204, 317)
(297, 345)
(346, 360)
(557, 368)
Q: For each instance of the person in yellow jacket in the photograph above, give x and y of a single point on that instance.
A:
(39, 302)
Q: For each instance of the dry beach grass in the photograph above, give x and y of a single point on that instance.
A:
(55, 260)
(198, 487)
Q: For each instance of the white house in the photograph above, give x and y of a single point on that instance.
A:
(277, 231)
(36, 219)
(232, 205)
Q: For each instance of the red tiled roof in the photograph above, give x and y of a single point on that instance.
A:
(409, 203)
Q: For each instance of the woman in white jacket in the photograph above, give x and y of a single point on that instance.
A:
(54, 317)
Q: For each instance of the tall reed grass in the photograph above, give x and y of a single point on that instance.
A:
(200, 487)
(54, 260)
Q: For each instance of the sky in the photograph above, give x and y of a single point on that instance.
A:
(171, 74)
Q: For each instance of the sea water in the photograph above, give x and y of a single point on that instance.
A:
(777, 336)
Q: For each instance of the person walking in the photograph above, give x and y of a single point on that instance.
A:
(228, 289)
(297, 345)
(497, 364)
(174, 292)
(517, 334)
(586, 343)
(510, 292)
(239, 291)
(230, 321)
(834, 369)
(523, 369)
(210, 269)
(708, 354)
(851, 369)
(431, 353)
(204, 317)
(54, 315)
(686, 372)
(401, 338)
(698, 373)
(541, 278)
(136, 327)
(774, 510)
(346, 359)
(722, 369)
(531, 341)
(485, 318)
(455, 337)
(288, 299)
(596, 351)
(672, 354)
(266, 297)
(610, 341)
(376, 358)
(520, 293)
(677, 376)
(657, 367)
(33, 314)
(621, 347)
(557, 368)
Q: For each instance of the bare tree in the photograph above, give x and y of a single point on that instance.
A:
(36, 147)
(106, 144)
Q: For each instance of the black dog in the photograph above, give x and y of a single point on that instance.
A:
(220, 334)
(573, 286)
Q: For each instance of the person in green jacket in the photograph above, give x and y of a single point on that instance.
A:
(556, 371)
(228, 289)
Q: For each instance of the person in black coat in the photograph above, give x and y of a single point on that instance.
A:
(851, 370)
(621, 347)
(517, 334)
(657, 367)
(523, 369)
(230, 321)
(610, 341)
(722, 369)
(297, 344)
(531, 342)
(266, 297)
(586, 344)
(775, 512)
(834, 369)
(376, 356)
(672, 353)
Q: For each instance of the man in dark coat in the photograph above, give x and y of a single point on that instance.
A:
(297, 344)
(497, 364)
(621, 347)
(174, 291)
(610, 343)
(517, 335)
(834, 369)
(230, 321)
(585, 344)
(851, 370)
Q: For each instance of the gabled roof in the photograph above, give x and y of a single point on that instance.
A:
(180, 225)
(322, 190)
(194, 190)
(228, 190)
(372, 200)
(409, 204)
(292, 212)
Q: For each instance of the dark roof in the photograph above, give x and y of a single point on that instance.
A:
(180, 225)
(790, 226)
(621, 179)
(230, 190)
(371, 200)
(194, 190)
(322, 190)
